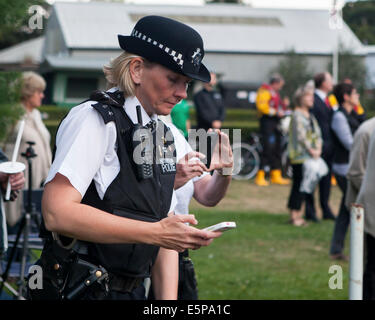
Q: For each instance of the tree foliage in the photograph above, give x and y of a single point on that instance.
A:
(295, 70)
(351, 66)
(360, 16)
(14, 21)
(10, 97)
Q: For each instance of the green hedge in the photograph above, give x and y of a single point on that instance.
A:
(246, 120)
(237, 115)
(54, 112)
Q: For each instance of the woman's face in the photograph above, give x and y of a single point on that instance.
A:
(353, 99)
(35, 100)
(308, 99)
(160, 89)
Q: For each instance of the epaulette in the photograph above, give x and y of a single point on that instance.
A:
(105, 102)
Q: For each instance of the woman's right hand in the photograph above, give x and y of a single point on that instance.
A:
(173, 233)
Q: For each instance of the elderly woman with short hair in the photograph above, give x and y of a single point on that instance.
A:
(304, 142)
(33, 86)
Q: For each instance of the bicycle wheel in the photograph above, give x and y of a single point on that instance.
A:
(246, 161)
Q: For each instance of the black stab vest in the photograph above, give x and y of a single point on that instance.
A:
(341, 154)
(146, 200)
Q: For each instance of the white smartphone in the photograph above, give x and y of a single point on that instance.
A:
(222, 226)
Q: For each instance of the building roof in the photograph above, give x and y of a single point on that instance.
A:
(370, 50)
(30, 51)
(224, 28)
(75, 63)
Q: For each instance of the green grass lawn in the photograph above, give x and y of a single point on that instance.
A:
(265, 258)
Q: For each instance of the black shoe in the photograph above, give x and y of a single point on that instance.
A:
(313, 219)
(329, 216)
(339, 256)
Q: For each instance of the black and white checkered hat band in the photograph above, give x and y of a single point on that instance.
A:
(177, 57)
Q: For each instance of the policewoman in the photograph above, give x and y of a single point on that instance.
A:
(106, 224)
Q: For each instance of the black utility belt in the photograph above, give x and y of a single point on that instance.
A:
(114, 282)
(123, 284)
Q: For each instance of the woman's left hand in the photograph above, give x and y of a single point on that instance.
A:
(17, 180)
(222, 156)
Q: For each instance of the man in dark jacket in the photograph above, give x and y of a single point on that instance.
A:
(323, 113)
(209, 106)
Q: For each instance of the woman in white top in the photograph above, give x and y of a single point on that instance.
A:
(152, 73)
(32, 94)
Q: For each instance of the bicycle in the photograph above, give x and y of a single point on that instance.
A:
(246, 155)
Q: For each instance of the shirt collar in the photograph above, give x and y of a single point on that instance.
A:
(130, 108)
(322, 95)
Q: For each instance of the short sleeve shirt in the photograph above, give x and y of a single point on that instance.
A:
(86, 147)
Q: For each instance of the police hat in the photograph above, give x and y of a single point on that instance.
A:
(169, 43)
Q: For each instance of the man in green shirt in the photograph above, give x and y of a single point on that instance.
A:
(180, 117)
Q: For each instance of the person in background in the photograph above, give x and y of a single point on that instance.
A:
(358, 110)
(209, 106)
(270, 108)
(17, 181)
(323, 114)
(362, 174)
(356, 172)
(33, 86)
(358, 160)
(343, 125)
(181, 117)
(305, 141)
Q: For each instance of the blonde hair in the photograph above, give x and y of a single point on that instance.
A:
(117, 73)
(31, 82)
(300, 93)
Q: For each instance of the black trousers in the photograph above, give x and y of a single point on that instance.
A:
(187, 283)
(369, 274)
(271, 143)
(324, 193)
(325, 187)
(342, 221)
(296, 197)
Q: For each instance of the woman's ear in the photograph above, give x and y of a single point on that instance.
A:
(346, 97)
(136, 67)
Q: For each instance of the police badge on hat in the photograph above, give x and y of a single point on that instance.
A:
(196, 58)
(169, 43)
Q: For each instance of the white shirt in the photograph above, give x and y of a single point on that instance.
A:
(86, 147)
(322, 95)
(86, 150)
(186, 192)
